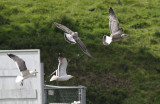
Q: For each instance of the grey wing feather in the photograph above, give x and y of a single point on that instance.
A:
(62, 67)
(25, 73)
(64, 28)
(117, 34)
(113, 22)
(83, 47)
(21, 64)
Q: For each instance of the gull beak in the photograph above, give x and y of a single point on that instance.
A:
(36, 71)
(127, 35)
(73, 77)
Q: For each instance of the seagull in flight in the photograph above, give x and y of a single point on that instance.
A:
(61, 74)
(23, 69)
(72, 37)
(117, 33)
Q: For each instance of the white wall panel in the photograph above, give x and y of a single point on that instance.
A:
(32, 90)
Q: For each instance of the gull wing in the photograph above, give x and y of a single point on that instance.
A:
(113, 22)
(20, 63)
(83, 47)
(64, 28)
(62, 66)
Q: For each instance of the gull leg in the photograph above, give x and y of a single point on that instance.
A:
(21, 83)
(35, 72)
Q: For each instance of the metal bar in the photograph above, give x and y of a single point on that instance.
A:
(62, 87)
(24, 50)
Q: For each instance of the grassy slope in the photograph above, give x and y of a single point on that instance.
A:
(30, 23)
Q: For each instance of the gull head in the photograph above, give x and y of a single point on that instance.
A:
(60, 54)
(124, 35)
(33, 72)
(70, 76)
(75, 34)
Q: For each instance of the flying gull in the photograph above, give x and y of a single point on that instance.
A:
(72, 37)
(91, 9)
(23, 69)
(117, 33)
(119, 2)
(61, 74)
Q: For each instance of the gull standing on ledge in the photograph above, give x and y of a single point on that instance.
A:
(23, 69)
(117, 33)
(72, 37)
(61, 74)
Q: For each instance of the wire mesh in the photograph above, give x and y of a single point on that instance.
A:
(63, 95)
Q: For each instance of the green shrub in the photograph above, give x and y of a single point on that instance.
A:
(140, 25)
(28, 24)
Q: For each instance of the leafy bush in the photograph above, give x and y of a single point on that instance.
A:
(140, 25)
(28, 24)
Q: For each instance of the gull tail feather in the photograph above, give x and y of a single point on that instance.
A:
(54, 78)
(107, 40)
(19, 79)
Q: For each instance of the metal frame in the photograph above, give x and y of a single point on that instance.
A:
(81, 91)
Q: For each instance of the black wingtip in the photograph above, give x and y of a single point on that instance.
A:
(92, 57)
(53, 21)
(110, 10)
(92, 9)
(10, 55)
(89, 55)
(104, 38)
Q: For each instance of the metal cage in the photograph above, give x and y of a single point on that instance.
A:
(65, 94)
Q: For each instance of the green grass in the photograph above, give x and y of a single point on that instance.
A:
(30, 23)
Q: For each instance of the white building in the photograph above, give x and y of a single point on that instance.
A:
(32, 90)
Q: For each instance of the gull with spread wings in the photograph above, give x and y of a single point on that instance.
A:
(23, 69)
(117, 33)
(61, 74)
(72, 37)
